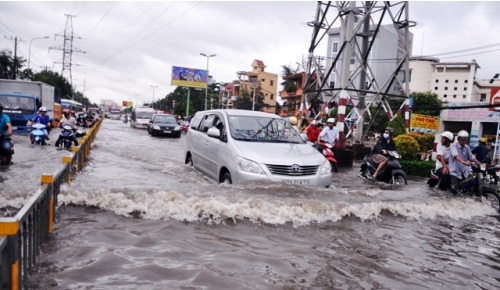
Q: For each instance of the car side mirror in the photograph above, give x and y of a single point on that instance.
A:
(213, 132)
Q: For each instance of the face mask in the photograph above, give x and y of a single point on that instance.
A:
(386, 135)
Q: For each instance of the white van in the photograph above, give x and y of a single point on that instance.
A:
(140, 117)
(239, 145)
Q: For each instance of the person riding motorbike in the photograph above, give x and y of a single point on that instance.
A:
(312, 132)
(460, 161)
(481, 151)
(443, 156)
(5, 125)
(293, 121)
(67, 119)
(384, 144)
(330, 133)
(41, 118)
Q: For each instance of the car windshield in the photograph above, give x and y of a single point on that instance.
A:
(17, 104)
(165, 119)
(263, 129)
(144, 115)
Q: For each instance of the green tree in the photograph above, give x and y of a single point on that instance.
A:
(289, 85)
(426, 103)
(61, 85)
(9, 66)
(398, 125)
(245, 100)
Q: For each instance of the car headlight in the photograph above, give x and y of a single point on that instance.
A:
(156, 127)
(249, 166)
(325, 168)
(177, 128)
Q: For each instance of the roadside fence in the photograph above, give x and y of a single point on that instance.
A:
(22, 235)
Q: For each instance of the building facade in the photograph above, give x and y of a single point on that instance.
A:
(466, 97)
(251, 81)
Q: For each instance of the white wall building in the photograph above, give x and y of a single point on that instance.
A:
(456, 85)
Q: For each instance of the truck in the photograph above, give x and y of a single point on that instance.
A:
(22, 99)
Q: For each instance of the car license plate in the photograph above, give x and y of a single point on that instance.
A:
(295, 181)
(166, 131)
(14, 128)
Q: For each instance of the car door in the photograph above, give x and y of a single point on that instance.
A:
(212, 148)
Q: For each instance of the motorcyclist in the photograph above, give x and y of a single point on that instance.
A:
(459, 164)
(67, 119)
(481, 151)
(384, 143)
(330, 133)
(43, 119)
(443, 156)
(293, 121)
(312, 132)
(5, 125)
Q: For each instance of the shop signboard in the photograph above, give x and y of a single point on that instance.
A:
(424, 123)
(495, 99)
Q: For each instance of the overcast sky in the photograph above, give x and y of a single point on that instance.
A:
(130, 46)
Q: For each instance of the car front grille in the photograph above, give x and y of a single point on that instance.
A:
(292, 170)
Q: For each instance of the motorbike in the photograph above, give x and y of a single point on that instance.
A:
(185, 128)
(6, 150)
(327, 150)
(473, 186)
(392, 172)
(66, 137)
(38, 134)
(491, 173)
(82, 131)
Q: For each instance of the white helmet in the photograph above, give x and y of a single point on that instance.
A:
(292, 120)
(330, 120)
(448, 135)
(463, 134)
(42, 109)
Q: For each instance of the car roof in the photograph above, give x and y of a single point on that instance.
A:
(233, 112)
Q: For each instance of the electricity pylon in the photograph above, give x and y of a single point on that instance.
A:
(355, 83)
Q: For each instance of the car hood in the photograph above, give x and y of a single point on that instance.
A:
(280, 153)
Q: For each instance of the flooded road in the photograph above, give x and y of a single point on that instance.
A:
(137, 217)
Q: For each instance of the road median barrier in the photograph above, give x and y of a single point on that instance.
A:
(22, 235)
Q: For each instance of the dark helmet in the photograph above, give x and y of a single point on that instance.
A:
(66, 111)
(391, 131)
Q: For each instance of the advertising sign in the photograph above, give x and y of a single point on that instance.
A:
(189, 77)
(424, 123)
(495, 99)
(127, 104)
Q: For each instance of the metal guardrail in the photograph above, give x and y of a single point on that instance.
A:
(21, 236)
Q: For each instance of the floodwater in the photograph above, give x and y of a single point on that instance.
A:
(138, 218)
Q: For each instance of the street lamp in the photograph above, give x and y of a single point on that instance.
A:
(29, 51)
(154, 87)
(206, 89)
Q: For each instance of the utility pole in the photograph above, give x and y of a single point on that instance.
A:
(15, 54)
(68, 48)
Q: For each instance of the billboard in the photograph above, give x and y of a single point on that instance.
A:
(495, 99)
(127, 104)
(424, 123)
(189, 77)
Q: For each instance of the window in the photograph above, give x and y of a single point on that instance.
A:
(352, 61)
(455, 88)
(465, 88)
(464, 96)
(446, 81)
(272, 97)
(335, 47)
(437, 81)
(466, 81)
(271, 83)
(454, 96)
(445, 88)
(445, 96)
(263, 80)
(483, 98)
(207, 123)
(196, 122)
(436, 88)
(456, 81)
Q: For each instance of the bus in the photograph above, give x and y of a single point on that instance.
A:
(72, 105)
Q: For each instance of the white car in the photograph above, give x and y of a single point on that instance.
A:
(237, 145)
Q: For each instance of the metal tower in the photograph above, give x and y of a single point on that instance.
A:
(68, 49)
(359, 24)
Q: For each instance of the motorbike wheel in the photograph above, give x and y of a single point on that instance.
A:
(6, 160)
(67, 145)
(494, 178)
(492, 198)
(398, 178)
(334, 167)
